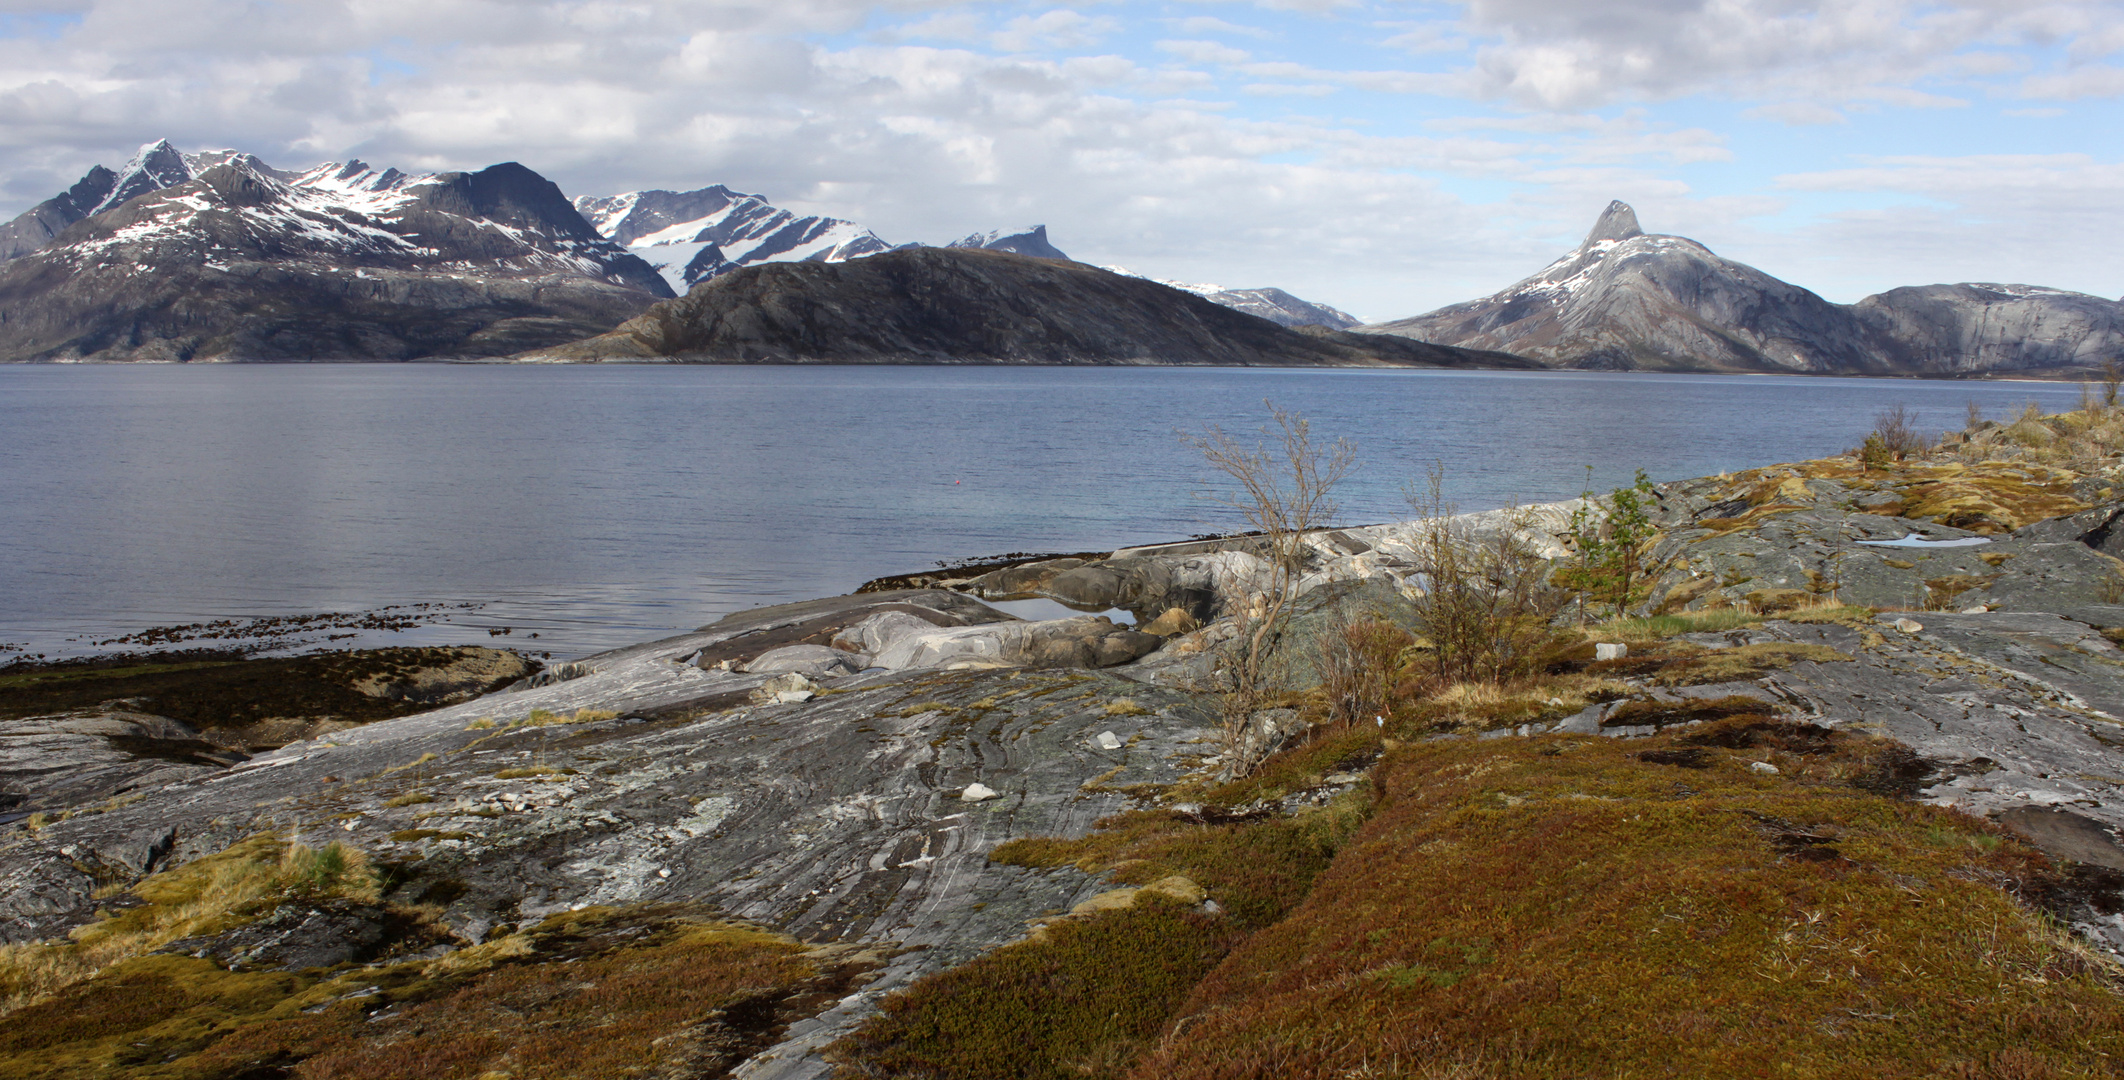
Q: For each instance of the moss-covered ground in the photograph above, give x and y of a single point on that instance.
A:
(595, 993)
(1542, 907)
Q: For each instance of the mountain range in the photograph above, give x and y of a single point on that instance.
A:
(1628, 300)
(219, 256)
(694, 236)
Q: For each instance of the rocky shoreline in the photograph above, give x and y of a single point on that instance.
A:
(838, 772)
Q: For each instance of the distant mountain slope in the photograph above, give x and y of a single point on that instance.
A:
(243, 262)
(1027, 241)
(35, 228)
(1626, 300)
(1974, 328)
(962, 305)
(1275, 305)
(691, 236)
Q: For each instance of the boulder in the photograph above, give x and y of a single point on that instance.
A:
(784, 688)
(815, 661)
(1295, 648)
(1086, 641)
(878, 632)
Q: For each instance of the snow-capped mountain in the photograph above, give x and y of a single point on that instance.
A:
(1275, 305)
(691, 236)
(1625, 299)
(218, 256)
(1031, 240)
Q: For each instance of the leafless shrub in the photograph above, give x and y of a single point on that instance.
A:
(1361, 665)
(1484, 605)
(1283, 484)
(1898, 435)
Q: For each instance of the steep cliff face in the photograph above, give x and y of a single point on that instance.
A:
(1628, 300)
(1979, 328)
(970, 305)
(241, 262)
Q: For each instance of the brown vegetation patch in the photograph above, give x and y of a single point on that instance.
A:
(1566, 908)
(595, 993)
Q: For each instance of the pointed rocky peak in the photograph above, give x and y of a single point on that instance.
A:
(158, 165)
(1617, 222)
(1032, 241)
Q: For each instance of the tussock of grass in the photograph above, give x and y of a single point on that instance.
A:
(411, 798)
(545, 718)
(413, 764)
(529, 771)
(1744, 662)
(205, 896)
(1558, 907)
(1659, 627)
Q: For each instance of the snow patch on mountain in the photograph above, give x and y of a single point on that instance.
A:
(692, 236)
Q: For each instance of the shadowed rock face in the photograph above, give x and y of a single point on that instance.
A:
(36, 227)
(959, 305)
(238, 263)
(1627, 300)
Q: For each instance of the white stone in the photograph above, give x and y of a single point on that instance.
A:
(1909, 626)
(1763, 767)
(1109, 741)
(1977, 610)
(977, 792)
(1610, 651)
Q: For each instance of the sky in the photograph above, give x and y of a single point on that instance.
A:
(1381, 156)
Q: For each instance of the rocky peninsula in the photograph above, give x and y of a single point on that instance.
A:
(1835, 785)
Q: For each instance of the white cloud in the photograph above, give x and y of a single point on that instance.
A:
(1205, 24)
(1798, 114)
(944, 117)
(2094, 81)
(1567, 54)
(1059, 28)
(1205, 52)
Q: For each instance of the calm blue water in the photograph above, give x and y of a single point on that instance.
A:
(597, 506)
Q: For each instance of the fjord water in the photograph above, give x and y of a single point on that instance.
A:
(598, 506)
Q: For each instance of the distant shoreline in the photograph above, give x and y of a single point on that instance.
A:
(484, 361)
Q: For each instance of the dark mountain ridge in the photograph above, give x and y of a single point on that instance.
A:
(974, 305)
